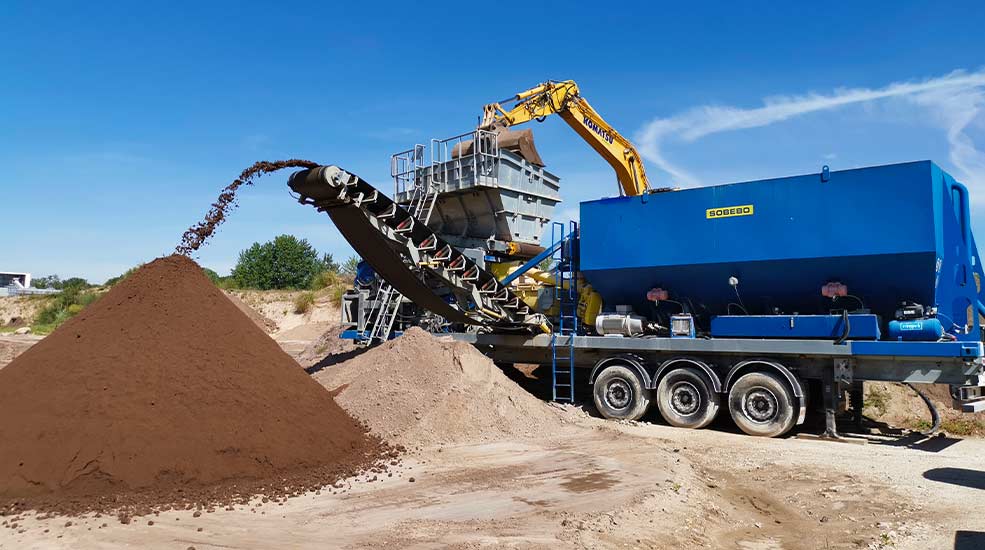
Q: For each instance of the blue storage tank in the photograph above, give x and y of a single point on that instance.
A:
(890, 233)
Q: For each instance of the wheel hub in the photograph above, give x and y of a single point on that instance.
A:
(761, 405)
(685, 398)
(618, 394)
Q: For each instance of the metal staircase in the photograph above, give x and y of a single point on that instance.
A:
(407, 169)
(472, 155)
(566, 296)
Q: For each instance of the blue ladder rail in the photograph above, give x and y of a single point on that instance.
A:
(563, 360)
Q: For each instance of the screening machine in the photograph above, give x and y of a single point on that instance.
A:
(768, 298)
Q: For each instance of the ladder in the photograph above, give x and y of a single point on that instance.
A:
(406, 167)
(563, 354)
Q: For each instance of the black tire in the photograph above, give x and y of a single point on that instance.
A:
(619, 393)
(762, 404)
(686, 399)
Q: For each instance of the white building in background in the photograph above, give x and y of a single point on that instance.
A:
(13, 283)
(8, 278)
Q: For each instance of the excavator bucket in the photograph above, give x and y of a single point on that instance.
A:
(520, 142)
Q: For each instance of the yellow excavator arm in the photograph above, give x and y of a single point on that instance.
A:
(563, 98)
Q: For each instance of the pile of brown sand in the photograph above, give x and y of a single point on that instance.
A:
(163, 393)
(418, 390)
(326, 350)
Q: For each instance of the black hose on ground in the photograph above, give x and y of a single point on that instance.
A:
(935, 417)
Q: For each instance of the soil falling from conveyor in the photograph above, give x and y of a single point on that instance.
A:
(163, 393)
(198, 234)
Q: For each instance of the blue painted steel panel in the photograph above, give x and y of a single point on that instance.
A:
(353, 334)
(890, 233)
(861, 327)
(917, 349)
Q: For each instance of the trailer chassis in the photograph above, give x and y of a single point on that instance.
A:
(837, 368)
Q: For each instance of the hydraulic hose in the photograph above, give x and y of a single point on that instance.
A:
(935, 417)
(847, 330)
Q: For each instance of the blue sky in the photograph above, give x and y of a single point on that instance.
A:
(120, 122)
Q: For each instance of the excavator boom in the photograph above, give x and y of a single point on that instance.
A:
(563, 98)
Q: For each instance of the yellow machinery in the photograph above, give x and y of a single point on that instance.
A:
(536, 289)
(563, 98)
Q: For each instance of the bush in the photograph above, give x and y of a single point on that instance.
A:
(304, 302)
(46, 282)
(113, 280)
(53, 281)
(337, 292)
(212, 275)
(227, 283)
(285, 262)
(324, 279)
(63, 306)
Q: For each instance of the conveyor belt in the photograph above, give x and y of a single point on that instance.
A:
(419, 264)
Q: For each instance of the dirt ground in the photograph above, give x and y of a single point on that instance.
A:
(278, 307)
(598, 483)
(12, 345)
(18, 311)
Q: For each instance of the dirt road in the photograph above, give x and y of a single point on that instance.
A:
(599, 483)
(602, 484)
(12, 345)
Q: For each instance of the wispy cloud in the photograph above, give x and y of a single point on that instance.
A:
(956, 100)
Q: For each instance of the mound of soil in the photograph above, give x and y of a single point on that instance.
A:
(326, 350)
(162, 393)
(418, 390)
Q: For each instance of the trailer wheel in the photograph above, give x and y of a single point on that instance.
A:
(686, 399)
(620, 394)
(763, 405)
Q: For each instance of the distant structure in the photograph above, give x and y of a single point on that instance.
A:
(8, 278)
(13, 283)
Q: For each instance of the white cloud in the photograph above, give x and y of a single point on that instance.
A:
(956, 100)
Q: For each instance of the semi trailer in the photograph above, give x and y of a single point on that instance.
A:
(767, 298)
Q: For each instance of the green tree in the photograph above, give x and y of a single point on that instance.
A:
(212, 275)
(53, 281)
(285, 262)
(50, 281)
(350, 266)
(75, 282)
(329, 263)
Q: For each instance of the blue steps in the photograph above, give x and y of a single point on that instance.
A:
(563, 355)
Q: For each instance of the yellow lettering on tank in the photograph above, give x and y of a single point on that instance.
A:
(729, 211)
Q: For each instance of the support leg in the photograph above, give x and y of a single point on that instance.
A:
(832, 398)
